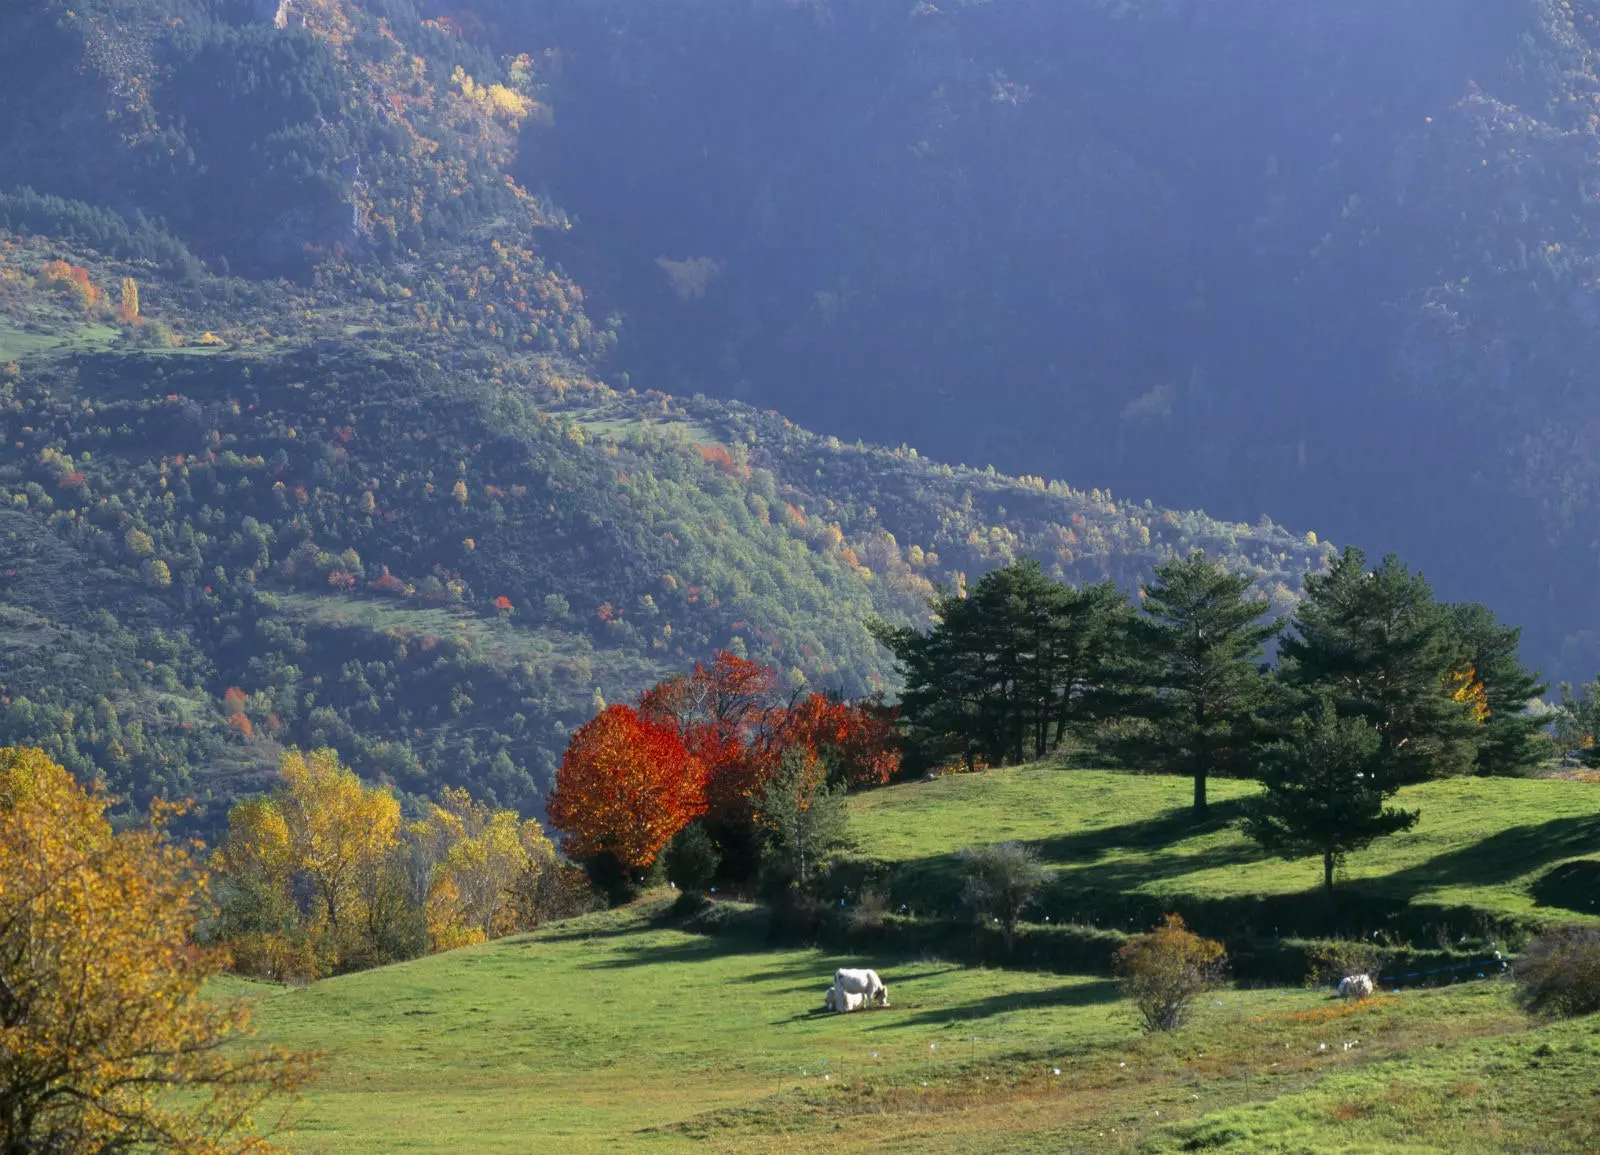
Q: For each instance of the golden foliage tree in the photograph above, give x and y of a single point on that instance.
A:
(336, 837)
(128, 302)
(1166, 970)
(336, 827)
(474, 862)
(105, 1041)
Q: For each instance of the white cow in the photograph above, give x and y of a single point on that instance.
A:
(842, 1003)
(864, 983)
(1356, 987)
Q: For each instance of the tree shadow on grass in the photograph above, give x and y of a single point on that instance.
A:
(1080, 994)
(537, 938)
(1502, 857)
(1079, 851)
(1573, 886)
(1155, 833)
(690, 950)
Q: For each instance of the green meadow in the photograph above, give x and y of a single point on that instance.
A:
(615, 1032)
(1526, 848)
(623, 1031)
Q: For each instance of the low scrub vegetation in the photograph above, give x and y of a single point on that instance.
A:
(1559, 972)
(1165, 971)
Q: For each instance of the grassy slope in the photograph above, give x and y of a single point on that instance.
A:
(612, 1033)
(1500, 845)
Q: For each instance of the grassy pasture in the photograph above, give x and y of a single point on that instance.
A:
(1509, 847)
(18, 343)
(617, 1033)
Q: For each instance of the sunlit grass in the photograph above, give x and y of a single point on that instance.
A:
(614, 1032)
(1483, 842)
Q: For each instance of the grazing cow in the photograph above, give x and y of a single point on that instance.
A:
(844, 1002)
(1356, 987)
(865, 983)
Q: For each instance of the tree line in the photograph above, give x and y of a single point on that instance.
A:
(1370, 685)
(724, 771)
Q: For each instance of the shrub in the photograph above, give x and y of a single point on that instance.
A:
(1332, 961)
(798, 916)
(1164, 971)
(868, 913)
(545, 891)
(689, 903)
(1001, 881)
(692, 858)
(1559, 972)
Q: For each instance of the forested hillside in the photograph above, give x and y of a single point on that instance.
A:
(309, 439)
(1330, 261)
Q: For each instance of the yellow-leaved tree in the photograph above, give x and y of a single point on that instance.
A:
(316, 874)
(475, 867)
(105, 1041)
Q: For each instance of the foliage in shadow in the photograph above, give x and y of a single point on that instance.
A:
(1571, 886)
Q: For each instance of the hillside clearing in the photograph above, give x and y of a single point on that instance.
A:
(1505, 846)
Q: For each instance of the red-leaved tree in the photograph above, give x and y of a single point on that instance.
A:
(626, 785)
(723, 713)
(857, 741)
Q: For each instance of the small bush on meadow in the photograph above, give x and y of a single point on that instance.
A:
(798, 916)
(1333, 961)
(867, 915)
(1559, 972)
(692, 859)
(1165, 971)
(1001, 881)
(690, 903)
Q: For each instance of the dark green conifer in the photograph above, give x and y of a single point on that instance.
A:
(1509, 740)
(1325, 792)
(1382, 649)
(1195, 660)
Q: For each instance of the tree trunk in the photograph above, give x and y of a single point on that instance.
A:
(1327, 889)
(1200, 793)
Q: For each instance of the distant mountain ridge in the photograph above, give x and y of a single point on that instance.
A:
(1332, 261)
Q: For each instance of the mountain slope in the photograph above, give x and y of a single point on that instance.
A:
(442, 573)
(386, 502)
(1336, 262)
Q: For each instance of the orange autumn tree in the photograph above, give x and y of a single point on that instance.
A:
(105, 1041)
(857, 741)
(626, 785)
(71, 281)
(723, 714)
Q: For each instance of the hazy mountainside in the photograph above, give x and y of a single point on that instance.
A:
(385, 506)
(1333, 261)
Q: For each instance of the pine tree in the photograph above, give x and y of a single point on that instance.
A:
(1010, 669)
(1325, 792)
(1508, 741)
(1380, 646)
(1196, 652)
(802, 816)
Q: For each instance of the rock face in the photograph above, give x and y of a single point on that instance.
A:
(274, 12)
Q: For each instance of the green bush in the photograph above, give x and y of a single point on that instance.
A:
(1001, 881)
(691, 858)
(1332, 961)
